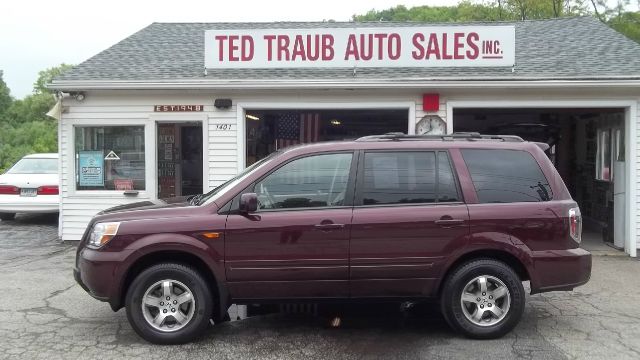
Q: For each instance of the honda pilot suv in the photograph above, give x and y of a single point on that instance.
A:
(461, 218)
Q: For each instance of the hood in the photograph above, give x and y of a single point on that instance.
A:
(152, 209)
(174, 202)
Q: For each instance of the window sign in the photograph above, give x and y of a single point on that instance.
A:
(110, 158)
(91, 166)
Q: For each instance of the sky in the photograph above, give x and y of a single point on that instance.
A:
(38, 34)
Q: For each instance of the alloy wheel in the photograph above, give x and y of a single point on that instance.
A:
(168, 305)
(485, 300)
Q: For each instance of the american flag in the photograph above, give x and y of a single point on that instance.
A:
(295, 128)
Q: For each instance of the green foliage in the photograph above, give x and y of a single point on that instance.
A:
(45, 77)
(24, 126)
(617, 17)
(5, 96)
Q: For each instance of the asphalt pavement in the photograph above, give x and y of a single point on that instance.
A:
(45, 315)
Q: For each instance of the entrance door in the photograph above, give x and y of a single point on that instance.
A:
(179, 159)
(408, 217)
(297, 244)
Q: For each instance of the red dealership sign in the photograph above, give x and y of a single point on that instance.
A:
(409, 46)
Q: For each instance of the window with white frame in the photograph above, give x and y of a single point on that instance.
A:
(109, 158)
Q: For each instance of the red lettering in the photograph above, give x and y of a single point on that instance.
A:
(418, 53)
(247, 48)
(269, 39)
(220, 39)
(472, 40)
(283, 47)
(366, 47)
(380, 38)
(432, 47)
(394, 48)
(445, 54)
(457, 46)
(298, 48)
(352, 48)
(327, 47)
(316, 46)
(233, 48)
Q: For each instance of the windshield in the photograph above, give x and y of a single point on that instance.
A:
(35, 166)
(216, 192)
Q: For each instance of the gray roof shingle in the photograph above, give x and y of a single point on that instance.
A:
(578, 48)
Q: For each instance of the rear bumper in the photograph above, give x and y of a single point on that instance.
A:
(559, 270)
(35, 204)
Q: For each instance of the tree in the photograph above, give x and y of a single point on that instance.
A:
(5, 96)
(24, 126)
(45, 77)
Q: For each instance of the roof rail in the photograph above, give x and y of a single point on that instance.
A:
(471, 136)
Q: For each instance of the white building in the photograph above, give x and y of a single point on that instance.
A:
(178, 108)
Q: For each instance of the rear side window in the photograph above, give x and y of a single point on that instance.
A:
(408, 178)
(506, 176)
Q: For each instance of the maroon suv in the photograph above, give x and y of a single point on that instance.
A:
(463, 218)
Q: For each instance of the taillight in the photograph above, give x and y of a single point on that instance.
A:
(575, 224)
(48, 190)
(9, 190)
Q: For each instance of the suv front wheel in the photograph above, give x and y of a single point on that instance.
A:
(169, 304)
(483, 299)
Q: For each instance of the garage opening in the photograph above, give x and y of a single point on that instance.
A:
(587, 148)
(270, 130)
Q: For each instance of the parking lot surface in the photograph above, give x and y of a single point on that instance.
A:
(45, 315)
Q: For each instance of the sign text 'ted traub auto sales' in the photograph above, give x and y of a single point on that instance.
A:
(432, 46)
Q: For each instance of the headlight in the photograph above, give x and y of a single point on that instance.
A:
(102, 233)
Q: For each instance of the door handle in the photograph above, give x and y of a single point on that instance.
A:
(449, 222)
(329, 227)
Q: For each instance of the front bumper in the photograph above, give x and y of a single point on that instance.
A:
(559, 270)
(97, 272)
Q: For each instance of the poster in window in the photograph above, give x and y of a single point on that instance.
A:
(91, 165)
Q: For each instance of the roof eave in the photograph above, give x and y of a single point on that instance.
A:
(396, 83)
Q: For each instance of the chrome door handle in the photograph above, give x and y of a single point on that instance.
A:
(449, 222)
(329, 227)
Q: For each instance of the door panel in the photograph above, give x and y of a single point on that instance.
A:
(285, 254)
(408, 218)
(401, 251)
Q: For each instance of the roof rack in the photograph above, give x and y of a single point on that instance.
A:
(470, 136)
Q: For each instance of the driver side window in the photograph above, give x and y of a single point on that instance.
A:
(313, 181)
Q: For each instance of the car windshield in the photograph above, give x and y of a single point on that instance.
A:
(35, 166)
(218, 191)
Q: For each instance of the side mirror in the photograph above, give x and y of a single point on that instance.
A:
(248, 203)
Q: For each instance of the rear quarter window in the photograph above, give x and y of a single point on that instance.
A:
(506, 176)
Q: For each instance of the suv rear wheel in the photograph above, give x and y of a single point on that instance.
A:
(169, 304)
(483, 299)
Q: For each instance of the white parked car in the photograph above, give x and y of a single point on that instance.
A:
(30, 186)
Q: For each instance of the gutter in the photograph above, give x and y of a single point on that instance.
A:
(396, 83)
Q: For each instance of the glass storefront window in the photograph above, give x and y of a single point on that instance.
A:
(110, 158)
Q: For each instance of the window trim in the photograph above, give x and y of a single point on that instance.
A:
(359, 199)
(149, 158)
(349, 194)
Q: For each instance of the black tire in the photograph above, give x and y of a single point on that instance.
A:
(186, 275)
(7, 216)
(452, 292)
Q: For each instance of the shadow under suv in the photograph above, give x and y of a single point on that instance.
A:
(463, 218)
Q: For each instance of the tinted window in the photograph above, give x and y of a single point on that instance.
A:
(406, 177)
(503, 176)
(314, 181)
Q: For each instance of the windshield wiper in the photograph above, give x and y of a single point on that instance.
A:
(195, 200)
